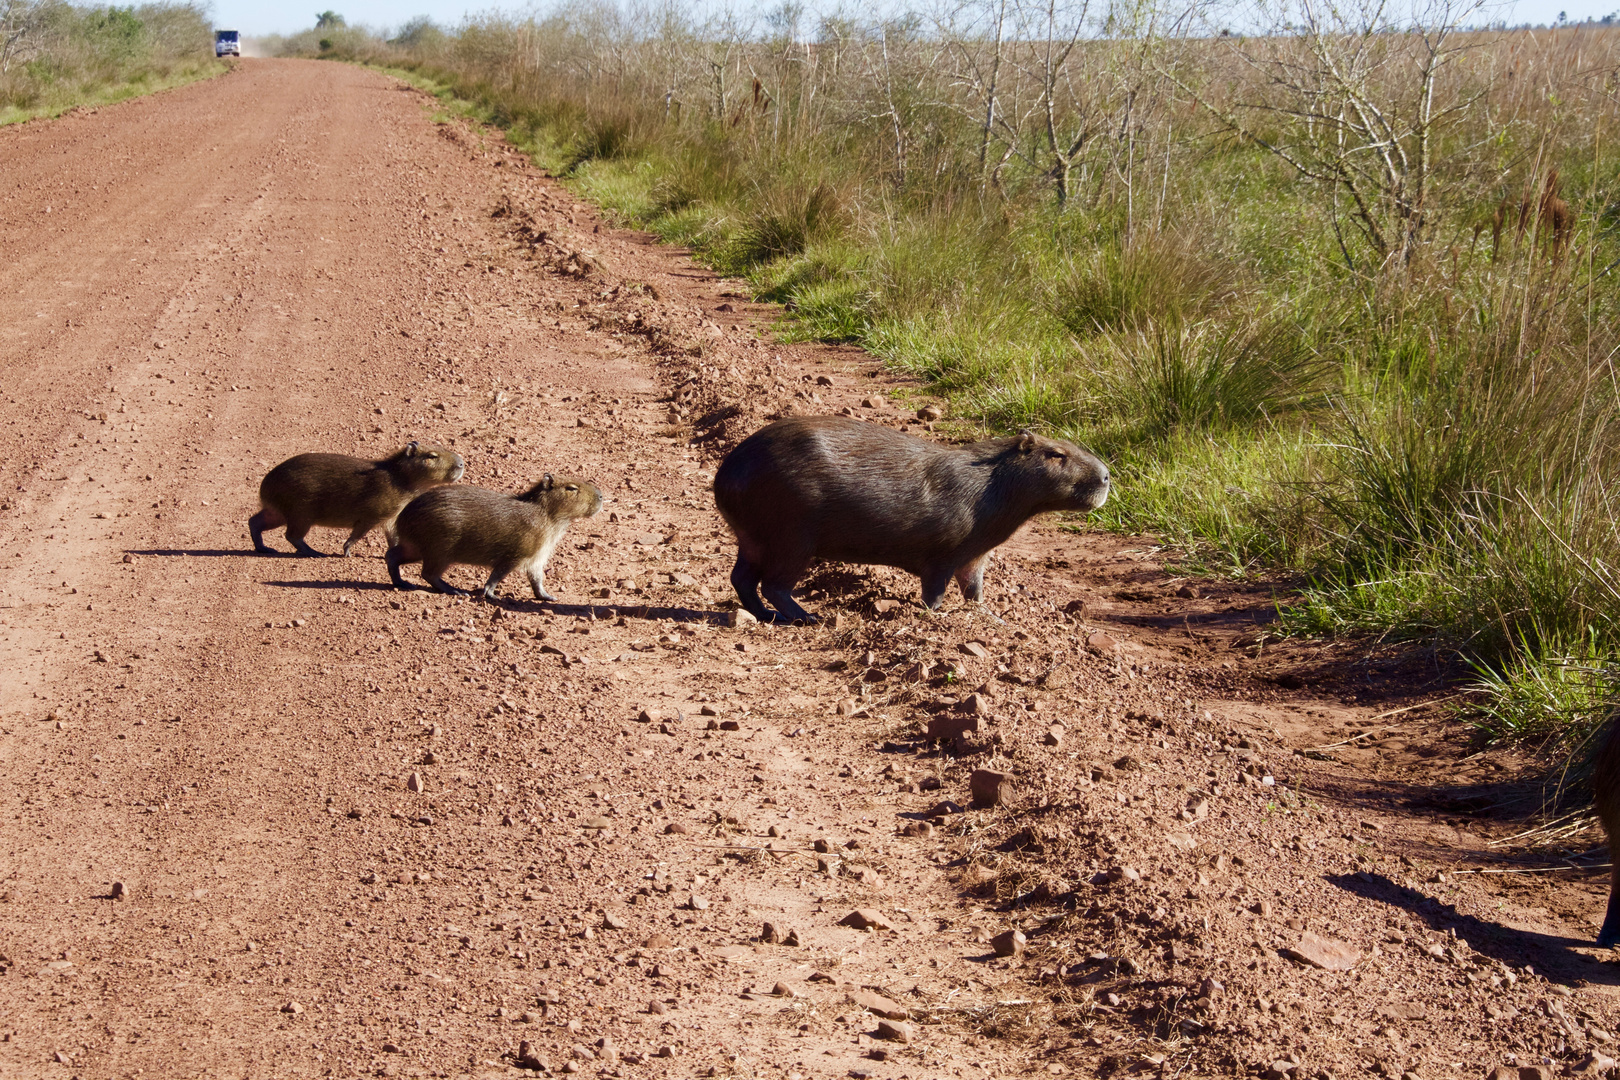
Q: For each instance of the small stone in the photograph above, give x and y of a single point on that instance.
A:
(657, 1008)
(1593, 1064)
(782, 989)
(944, 808)
(658, 941)
(292, 1007)
(923, 829)
(1535, 1072)
(675, 828)
(730, 725)
(930, 413)
(879, 1005)
(770, 934)
(848, 707)
(615, 920)
(1009, 943)
(741, 618)
(61, 1058)
(949, 727)
(1128, 764)
(665, 1052)
(647, 716)
(976, 703)
(1188, 592)
(1180, 841)
(894, 1031)
(865, 919)
(975, 648)
(1324, 953)
(413, 783)
(990, 788)
(595, 821)
(1101, 643)
(1054, 735)
(697, 903)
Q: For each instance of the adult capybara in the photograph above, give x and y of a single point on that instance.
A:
(832, 487)
(1606, 793)
(473, 526)
(342, 492)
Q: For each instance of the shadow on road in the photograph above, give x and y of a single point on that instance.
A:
(1551, 955)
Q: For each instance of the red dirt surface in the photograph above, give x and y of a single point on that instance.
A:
(213, 862)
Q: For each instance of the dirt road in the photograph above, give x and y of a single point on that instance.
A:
(214, 861)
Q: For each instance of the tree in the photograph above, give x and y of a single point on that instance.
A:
(21, 22)
(329, 20)
(1351, 97)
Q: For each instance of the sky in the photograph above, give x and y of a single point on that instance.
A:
(257, 17)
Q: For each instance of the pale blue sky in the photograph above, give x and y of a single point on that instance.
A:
(282, 17)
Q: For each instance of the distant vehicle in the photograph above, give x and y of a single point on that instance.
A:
(227, 43)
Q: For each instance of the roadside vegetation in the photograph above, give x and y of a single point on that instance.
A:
(1338, 298)
(55, 56)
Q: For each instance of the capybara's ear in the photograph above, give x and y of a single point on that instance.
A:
(410, 448)
(548, 482)
(1026, 441)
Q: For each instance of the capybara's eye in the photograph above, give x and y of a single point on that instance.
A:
(1057, 455)
(571, 487)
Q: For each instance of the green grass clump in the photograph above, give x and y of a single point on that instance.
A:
(1425, 435)
(66, 57)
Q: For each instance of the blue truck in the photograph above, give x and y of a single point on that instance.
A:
(227, 43)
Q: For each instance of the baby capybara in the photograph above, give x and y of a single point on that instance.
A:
(473, 526)
(342, 492)
(1606, 793)
(832, 487)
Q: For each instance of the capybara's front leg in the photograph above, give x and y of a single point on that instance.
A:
(1610, 934)
(354, 537)
(496, 576)
(537, 582)
(971, 577)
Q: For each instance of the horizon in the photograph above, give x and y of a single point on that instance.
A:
(267, 18)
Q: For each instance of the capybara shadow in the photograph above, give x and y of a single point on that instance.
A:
(341, 492)
(837, 488)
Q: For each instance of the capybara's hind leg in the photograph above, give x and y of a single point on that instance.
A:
(745, 579)
(434, 575)
(264, 519)
(1610, 934)
(934, 584)
(777, 585)
(395, 559)
(296, 531)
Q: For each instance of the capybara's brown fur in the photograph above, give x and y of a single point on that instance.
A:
(832, 487)
(342, 492)
(1606, 793)
(473, 526)
(1550, 214)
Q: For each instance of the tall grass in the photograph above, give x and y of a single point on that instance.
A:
(58, 55)
(1397, 382)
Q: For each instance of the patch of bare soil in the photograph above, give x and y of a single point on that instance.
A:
(269, 817)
